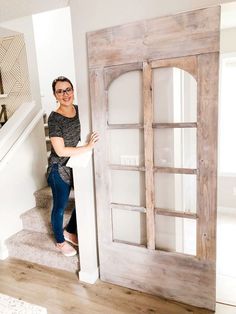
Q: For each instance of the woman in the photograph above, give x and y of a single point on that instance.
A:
(64, 133)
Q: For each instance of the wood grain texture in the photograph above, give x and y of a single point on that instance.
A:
(179, 39)
(126, 167)
(184, 34)
(61, 293)
(148, 153)
(174, 213)
(171, 275)
(174, 125)
(188, 64)
(128, 207)
(113, 72)
(125, 126)
(129, 243)
(207, 133)
(98, 97)
(175, 170)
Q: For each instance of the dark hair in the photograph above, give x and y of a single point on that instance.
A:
(60, 79)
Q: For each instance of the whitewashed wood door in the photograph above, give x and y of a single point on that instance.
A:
(187, 41)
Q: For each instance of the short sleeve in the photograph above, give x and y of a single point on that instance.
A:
(54, 127)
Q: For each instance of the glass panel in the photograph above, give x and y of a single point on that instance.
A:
(125, 99)
(176, 234)
(126, 147)
(174, 96)
(128, 187)
(129, 226)
(176, 192)
(175, 148)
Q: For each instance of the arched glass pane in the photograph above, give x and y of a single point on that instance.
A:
(125, 99)
(174, 96)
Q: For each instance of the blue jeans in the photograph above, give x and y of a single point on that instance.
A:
(60, 192)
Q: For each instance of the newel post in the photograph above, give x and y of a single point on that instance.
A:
(86, 222)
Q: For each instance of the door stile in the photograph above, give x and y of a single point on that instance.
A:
(98, 96)
(148, 154)
(207, 155)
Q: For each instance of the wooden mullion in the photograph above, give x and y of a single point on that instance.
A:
(175, 170)
(126, 167)
(155, 169)
(125, 126)
(148, 153)
(172, 213)
(174, 125)
(128, 243)
(139, 209)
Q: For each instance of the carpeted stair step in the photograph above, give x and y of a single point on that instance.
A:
(40, 248)
(39, 219)
(44, 198)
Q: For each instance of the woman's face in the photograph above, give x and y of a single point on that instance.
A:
(64, 93)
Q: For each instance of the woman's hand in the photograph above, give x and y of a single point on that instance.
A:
(94, 137)
(63, 151)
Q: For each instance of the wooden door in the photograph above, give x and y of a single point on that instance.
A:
(188, 42)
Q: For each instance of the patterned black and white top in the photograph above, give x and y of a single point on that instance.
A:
(69, 129)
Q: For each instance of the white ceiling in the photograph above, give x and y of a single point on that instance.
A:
(12, 9)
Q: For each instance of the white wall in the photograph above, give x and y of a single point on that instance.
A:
(228, 43)
(14, 8)
(54, 47)
(21, 177)
(25, 173)
(226, 183)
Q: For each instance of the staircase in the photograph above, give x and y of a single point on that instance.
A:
(35, 243)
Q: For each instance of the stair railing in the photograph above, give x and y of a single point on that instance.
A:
(3, 114)
(16, 130)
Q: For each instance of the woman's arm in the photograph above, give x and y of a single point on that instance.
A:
(63, 151)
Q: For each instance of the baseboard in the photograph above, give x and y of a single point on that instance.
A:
(89, 277)
(3, 251)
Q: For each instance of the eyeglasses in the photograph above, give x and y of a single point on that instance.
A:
(67, 91)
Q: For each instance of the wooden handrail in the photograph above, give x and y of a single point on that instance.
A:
(3, 114)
